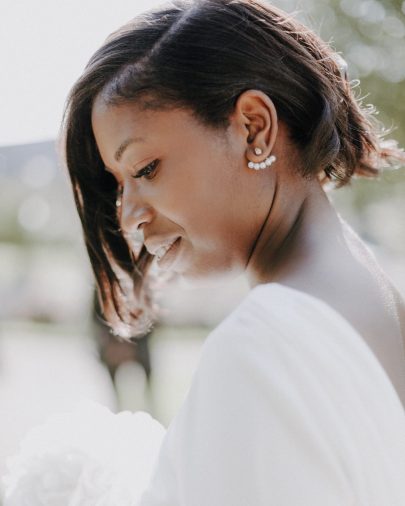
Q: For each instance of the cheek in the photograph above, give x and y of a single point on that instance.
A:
(207, 203)
(211, 215)
(215, 236)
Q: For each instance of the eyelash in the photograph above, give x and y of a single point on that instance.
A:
(148, 171)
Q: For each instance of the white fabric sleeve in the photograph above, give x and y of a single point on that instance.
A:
(243, 436)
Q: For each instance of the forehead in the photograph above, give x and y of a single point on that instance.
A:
(115, 125)
(111, 121)
(136, 114)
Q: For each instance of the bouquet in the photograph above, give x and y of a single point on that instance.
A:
(90, 457)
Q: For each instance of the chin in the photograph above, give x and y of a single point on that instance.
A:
(210, 275)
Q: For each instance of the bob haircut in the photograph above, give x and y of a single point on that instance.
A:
(201, 55)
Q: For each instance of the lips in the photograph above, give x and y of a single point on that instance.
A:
(168, 259)
(161, 252)
(159, 245)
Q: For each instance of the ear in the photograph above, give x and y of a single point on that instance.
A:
(256, 120)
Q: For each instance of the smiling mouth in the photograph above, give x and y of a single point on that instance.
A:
(161, 252)
(167, 254)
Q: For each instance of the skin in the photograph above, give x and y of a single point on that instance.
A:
(271, 224)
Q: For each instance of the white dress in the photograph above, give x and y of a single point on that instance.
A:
(288, 407)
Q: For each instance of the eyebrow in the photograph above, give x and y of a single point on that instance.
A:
(124, 145)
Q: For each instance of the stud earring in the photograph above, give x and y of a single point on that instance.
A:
(258, 151)
(262, 165)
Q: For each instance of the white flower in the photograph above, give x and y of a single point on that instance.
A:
(89, 457)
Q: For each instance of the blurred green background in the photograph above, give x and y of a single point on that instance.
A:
(53, 352)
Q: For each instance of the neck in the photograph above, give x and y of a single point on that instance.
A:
(301, 235)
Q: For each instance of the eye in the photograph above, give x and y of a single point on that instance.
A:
(147, 172)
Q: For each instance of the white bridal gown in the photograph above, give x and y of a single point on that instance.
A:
(288, 407)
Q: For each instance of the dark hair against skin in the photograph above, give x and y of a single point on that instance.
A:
(201, 55)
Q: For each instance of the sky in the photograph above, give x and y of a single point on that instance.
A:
(44, 46)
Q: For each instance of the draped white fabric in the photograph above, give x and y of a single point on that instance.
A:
(288, 406)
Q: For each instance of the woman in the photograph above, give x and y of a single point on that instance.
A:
(200, 140)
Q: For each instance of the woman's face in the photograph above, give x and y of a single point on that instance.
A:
(183, 181)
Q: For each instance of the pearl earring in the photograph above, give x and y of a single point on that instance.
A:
(262, 165)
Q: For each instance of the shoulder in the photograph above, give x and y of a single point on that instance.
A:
(280, 342)
(274, 310)
(274, 321)
(278, 398)
(262, 313)
(270, 324)
(264, 351)
(253, 416)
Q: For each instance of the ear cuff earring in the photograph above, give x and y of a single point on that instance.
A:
(262, 165)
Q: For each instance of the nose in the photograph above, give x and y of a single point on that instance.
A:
(134, 213)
